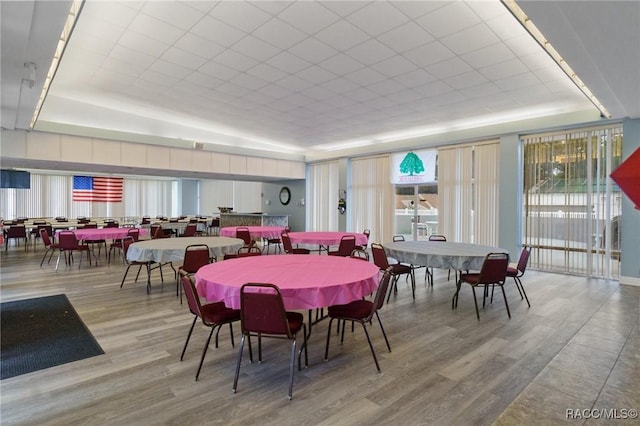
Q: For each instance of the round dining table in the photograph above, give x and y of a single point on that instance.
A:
(256, 232)
(97, 234)
(306, 282)
(441, 254)
(162, 250)
(325, 239)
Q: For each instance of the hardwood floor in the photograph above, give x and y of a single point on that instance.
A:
(577, 347)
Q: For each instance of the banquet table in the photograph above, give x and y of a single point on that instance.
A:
(95, 234)
(325, 239)
(306, 282)
(256, 232)
(441, 254)
(164, 250)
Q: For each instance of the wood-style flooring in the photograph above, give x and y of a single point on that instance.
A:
(577, 347)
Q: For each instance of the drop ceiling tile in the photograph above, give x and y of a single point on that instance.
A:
(429, 54)
(273, 7)
(90, 44)
(313, 50)
(240, 14)
(468, 79)
(255, 48)
(182, 57)
(340, 85)
(249, 81)
(504, 69)
(279, 34)
(294, 83)
(232, 89)
(406, 37)
(317, 93)
(416, 9)
(517, 81)
(199, 46)
(344, 8)
(448, 68)
(361, 94)
(365, 76)
(177, 14)
(316, 75)
(169, 68)
(434, 89)
(143, 43)
(275, 91)
(199, 5)
(370, 52)
(453, 17)
(342, 35)
(386, 87)
(217, 31)
(119, 14)
(482, 90)
(218, 70)
(394, 66)
(289, 63)
(377, 18)
(235, 60)
(470, 39)
(404, 97)
(101, 30)
(341, 64)
(414, 78)
(267, 73)
(206, 81)
(506, 29)
(308, 16)
(158, 79)
(489, 55)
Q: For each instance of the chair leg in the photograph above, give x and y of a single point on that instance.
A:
(326, 348)
(43, 257)
(373, 352)
(193, 324)
(383, 333)
(521, 287)
(475, 302)
(204, 352)
(235, 379)
(292, 364)
(505, 300)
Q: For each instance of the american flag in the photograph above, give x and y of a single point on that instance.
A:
(99, 188)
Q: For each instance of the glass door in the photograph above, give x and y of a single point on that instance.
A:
(416, 211)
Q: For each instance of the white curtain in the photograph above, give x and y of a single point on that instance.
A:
(371, 198)
(214, 194)
(322, 196)
(468, 192)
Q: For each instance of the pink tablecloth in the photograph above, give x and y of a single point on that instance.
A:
(306, 282)
(256, 232)
(93, 234)
(325, 238)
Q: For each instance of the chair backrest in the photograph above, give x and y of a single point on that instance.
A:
(44, 235)
(435, 237)
(126, 242)
(190, 230)
(112, 224)
(134, 233)
(262, 310)
(381, 292)
(195, 256)
(17, 231)
(524, 259)
(246, 251)
(146, 220)
(47, 227)
(157, 232)
(397, 238)
(379, 256)
(67, 240)
(242, 232)
(90, 225)
(494, 268)
(61, 219)
(190, 292)
(347, 244)
(215, 222)
(367, 232)
(359, 253)
(286, 242)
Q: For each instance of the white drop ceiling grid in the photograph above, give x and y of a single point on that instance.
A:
(299, 76)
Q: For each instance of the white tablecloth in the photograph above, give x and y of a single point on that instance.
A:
(172, 249)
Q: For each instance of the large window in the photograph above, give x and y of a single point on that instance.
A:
(572, 208)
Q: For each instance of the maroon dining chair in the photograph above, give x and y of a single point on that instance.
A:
(213, 315)
(492, 273)
(49, 246)
(190, 230)
(518, 271)
(347, 245)
(288, 247)
(362, 312)
(68, 243)
(195, 257)
(148, 265)
(15, 232)
(262, 315)
(381, 260)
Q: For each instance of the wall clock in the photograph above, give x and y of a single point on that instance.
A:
(285, 196)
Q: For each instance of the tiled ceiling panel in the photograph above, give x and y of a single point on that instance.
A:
(301, 75)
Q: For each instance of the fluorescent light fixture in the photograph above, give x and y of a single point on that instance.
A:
(69, 24)
(551, 51)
